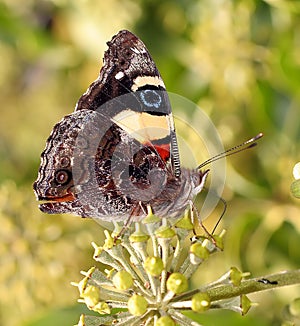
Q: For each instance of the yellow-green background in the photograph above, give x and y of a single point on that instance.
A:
(238, 60)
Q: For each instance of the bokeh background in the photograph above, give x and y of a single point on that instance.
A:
(238, 60)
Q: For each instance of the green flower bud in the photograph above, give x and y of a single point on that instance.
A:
(102, 308)
(219, 241)
(165, 321)
(151, 218)
(165, 232)
(199, 251)
(236, 276)
(185, 223)
(137, 305)
(245, 304)
(98, 250)
(91, 296)
(83, 283)
(109, 241)
(200, 302)
(139, 237)
(154, 266)
(177, 283)
(122, 280)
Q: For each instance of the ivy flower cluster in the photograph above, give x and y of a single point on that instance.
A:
(147, 282)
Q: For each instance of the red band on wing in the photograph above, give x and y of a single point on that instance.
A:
(164, 151)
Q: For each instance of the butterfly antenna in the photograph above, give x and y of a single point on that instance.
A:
(233, 150)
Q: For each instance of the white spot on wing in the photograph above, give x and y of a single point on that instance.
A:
(119, 75)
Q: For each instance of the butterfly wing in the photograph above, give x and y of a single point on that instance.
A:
(119, 147)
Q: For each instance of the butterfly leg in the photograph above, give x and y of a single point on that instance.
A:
(137, 210)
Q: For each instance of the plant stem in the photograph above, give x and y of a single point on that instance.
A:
(254, 285)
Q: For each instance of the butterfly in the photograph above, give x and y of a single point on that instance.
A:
(116, 155)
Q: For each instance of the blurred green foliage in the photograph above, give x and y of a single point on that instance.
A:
(238, 60)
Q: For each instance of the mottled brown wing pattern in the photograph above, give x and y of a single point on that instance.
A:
(117, 153)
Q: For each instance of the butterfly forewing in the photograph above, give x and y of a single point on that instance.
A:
(131, 92)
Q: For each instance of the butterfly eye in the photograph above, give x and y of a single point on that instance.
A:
(62, 177)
